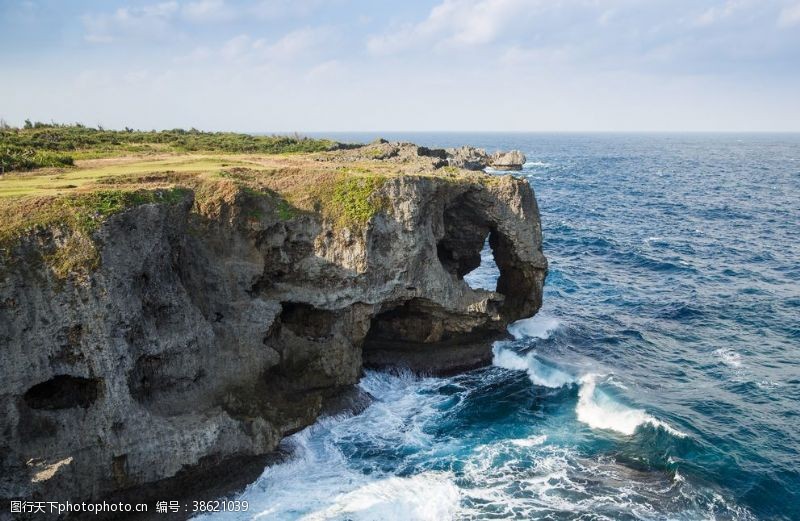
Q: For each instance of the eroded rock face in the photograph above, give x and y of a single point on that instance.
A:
(512, 160)
(472, 158)
(467, 157)
(205, 337)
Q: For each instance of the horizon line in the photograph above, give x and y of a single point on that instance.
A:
(436, 131)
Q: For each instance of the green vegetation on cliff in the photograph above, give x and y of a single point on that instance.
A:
(82, 212)
(70, 179)
(77, 216)
(355, 200)
(39, 145)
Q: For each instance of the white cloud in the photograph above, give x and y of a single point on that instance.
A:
(275, 9)
(728, 9)
(208, 11)
(148, 21)
(197, 55)
(561, 64)
(789, 16)
(244, 48)
(153, 21)
(297, 43)
(519, 56)
(325, 70)
(239, 47)
(457, 23)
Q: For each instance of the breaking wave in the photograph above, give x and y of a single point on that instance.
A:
(538, 326)
(540, 373)
(425, 497)
(599, 411)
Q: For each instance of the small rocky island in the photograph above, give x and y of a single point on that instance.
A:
(162, 324)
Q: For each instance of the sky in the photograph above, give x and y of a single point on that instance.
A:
(367, 65)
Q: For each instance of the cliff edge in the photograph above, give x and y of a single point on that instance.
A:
(208, 315)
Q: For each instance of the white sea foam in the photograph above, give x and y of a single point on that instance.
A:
(729, 357)
(531, 477)
(530, 442)
(318, 483)
(530, 164)
(599, 411)
(595, 408)
(428, 496)
(540, 373)
(538, 326)
(508, 359)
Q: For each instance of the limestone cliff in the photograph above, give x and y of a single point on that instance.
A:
(210, 330)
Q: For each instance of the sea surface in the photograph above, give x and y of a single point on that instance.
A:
(660, 381)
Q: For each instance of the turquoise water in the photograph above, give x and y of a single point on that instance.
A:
(661, 380)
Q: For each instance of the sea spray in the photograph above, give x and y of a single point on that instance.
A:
(539, 326)
(598, 410)
(428, 496)
(540, 373)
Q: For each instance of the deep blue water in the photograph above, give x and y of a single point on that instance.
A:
(661, 380)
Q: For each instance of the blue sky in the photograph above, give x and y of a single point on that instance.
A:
(316, 65)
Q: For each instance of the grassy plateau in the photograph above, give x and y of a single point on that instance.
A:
(71, 178)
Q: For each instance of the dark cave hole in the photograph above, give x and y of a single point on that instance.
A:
(412, 321)
(465, 245)
(305, 320)
(63, 392)
(466, 233)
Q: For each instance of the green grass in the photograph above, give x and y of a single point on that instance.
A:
(259, 176)
(41, 145)
(285, 210)
(66, 181)
(77, 216)
(353, 199)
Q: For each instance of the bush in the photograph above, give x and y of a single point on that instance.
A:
(41, 144)
(19, 158)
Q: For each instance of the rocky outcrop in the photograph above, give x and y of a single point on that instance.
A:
(512, 160)
(211, 331)
(464, 157)
(472, 158)
(467, 157)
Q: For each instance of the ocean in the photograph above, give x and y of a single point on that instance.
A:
(660, 380)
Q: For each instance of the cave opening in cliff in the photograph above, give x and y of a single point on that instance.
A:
(465, 232)
(466, 250)
(485, 275)
(305, 320)
(473, 249)
(63, 392)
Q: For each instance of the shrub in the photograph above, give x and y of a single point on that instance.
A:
(40, 144)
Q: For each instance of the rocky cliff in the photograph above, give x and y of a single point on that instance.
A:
(212, 326)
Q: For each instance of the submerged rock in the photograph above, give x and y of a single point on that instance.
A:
(210, 330)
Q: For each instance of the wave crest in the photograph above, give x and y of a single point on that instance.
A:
(538, 326)
(599, 411)
(539, 373)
